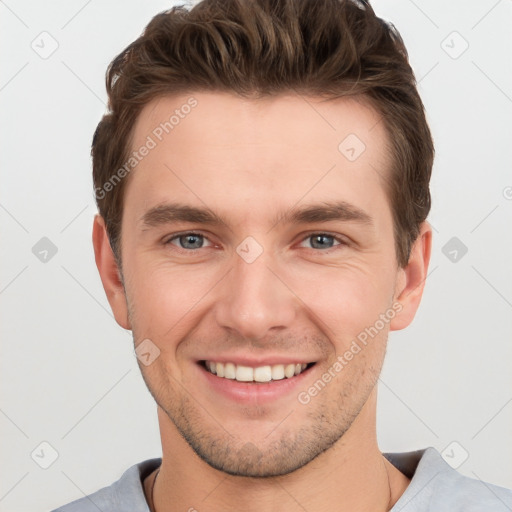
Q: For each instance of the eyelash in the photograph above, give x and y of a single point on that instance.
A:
(341, 241)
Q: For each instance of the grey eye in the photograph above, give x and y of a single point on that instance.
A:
(321, 241)
(188, 241)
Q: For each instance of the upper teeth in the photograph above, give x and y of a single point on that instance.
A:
(258, 374)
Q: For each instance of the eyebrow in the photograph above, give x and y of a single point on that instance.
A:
(325, 212)
(168, 213)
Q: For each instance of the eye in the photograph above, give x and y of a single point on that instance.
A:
(192, 241)
(188, 241)
(323, 241)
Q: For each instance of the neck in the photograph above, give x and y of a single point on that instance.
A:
(352, 475)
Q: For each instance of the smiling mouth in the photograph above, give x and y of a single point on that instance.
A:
(260, 374)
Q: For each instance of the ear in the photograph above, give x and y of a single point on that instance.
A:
(109, 272)
(411, 279)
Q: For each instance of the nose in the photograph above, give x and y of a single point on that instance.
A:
(254, 299)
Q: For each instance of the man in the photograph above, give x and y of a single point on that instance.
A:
(262, 180)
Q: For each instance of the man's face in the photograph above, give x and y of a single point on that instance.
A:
(265, 286)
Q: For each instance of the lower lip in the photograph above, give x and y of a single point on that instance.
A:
(255, 392)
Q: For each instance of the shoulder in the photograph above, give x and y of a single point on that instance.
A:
(436, 486)
(127, 493)
(458, 492)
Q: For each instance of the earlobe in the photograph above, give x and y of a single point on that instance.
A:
(109, 273)
(412, 278)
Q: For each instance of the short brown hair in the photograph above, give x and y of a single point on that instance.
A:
(327, 48)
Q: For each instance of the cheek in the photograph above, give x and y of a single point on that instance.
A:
(164, 299)
(164, 305)
(344, 300)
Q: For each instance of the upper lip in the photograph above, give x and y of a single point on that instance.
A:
(258, 361)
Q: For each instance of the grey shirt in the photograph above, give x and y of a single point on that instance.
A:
(435, 487)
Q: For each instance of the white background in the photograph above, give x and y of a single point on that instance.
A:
(68, 373)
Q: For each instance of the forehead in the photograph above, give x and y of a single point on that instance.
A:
(233, 154)
(217, 117)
